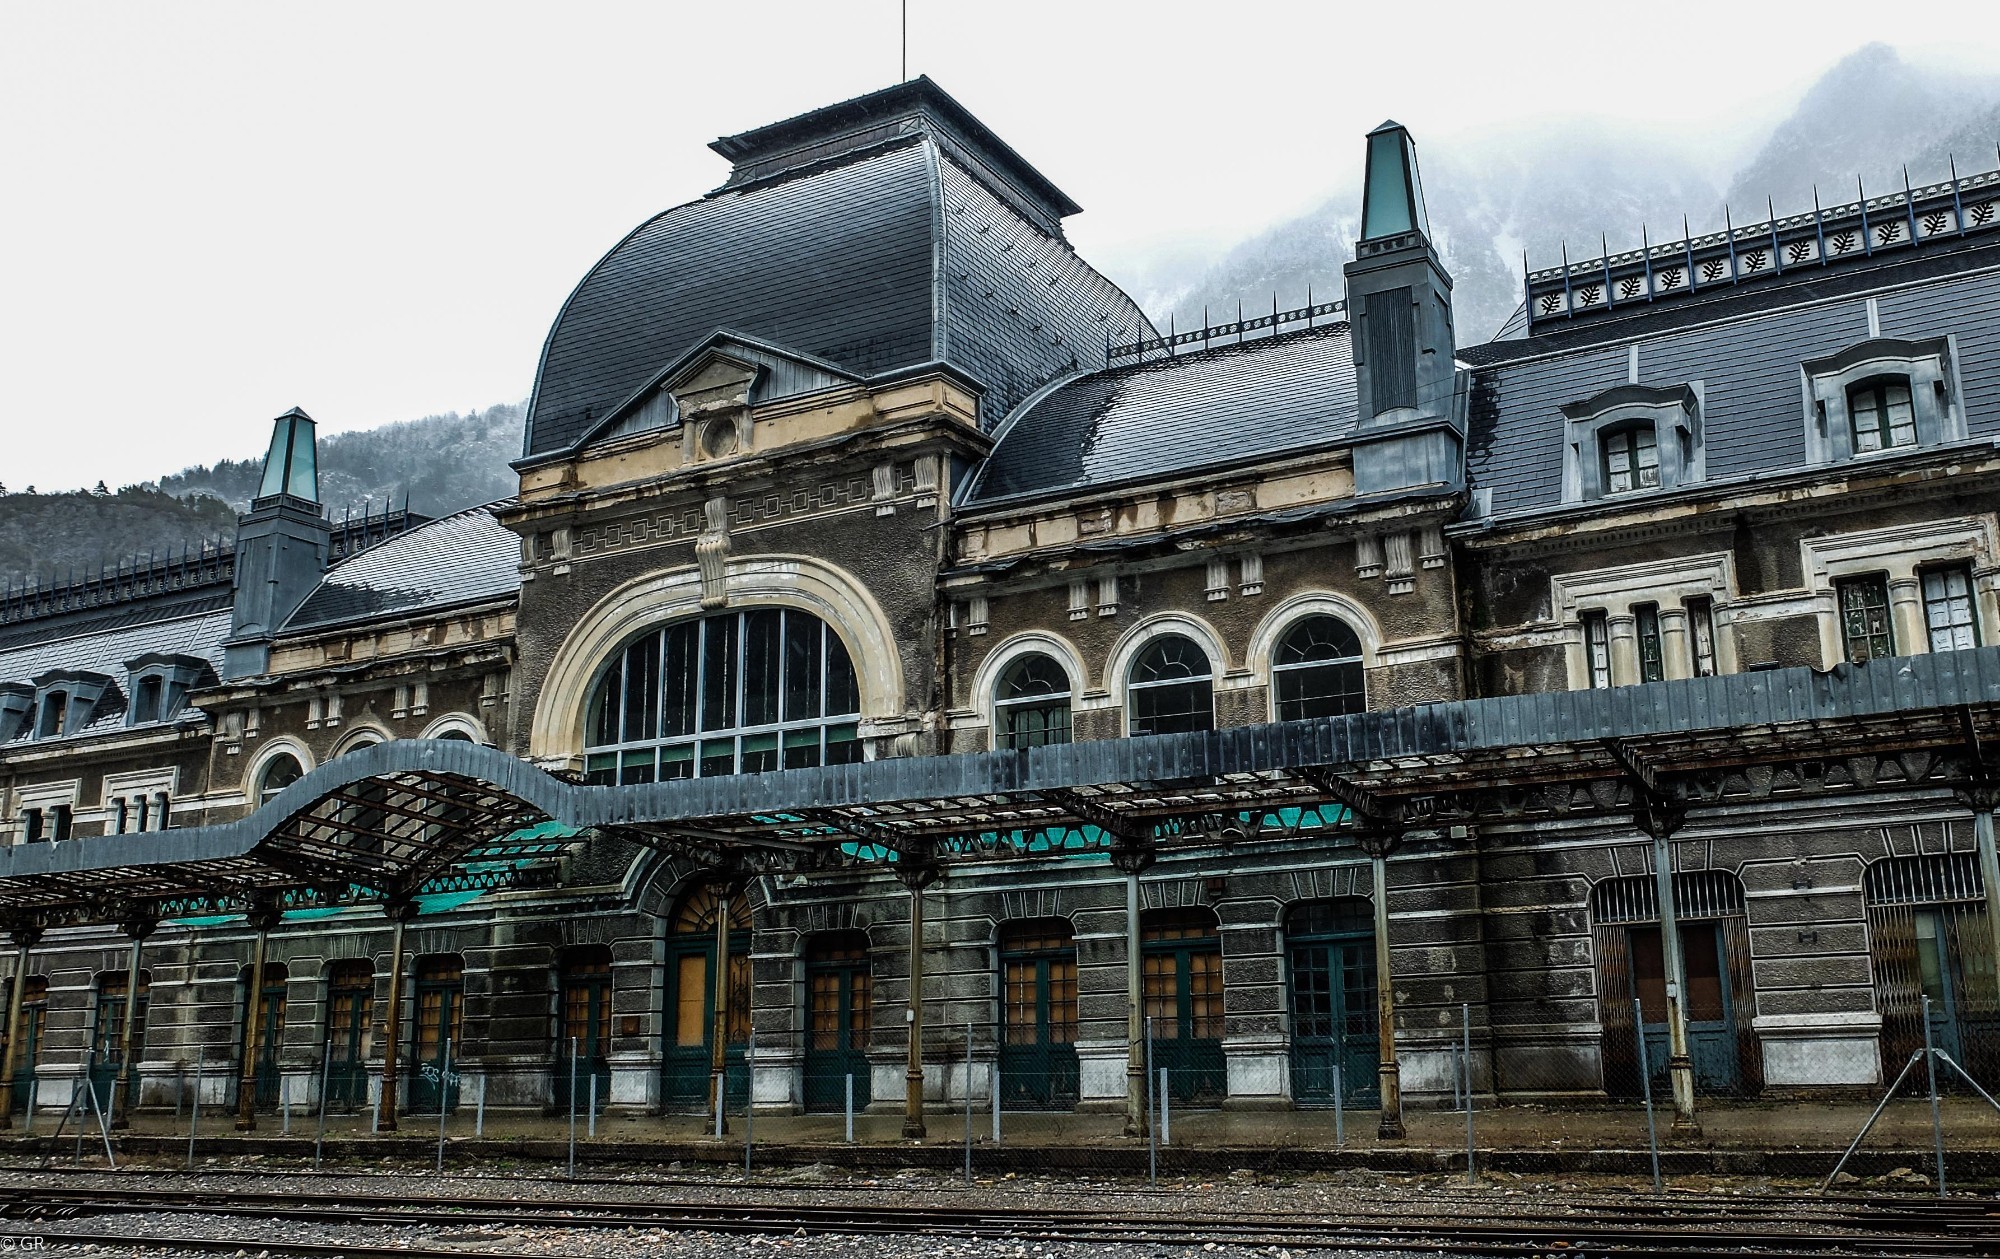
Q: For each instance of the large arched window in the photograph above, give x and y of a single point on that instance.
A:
(743, 692)
(280, 772)
(1317, 670)
(1172, 688)
(1031, 704)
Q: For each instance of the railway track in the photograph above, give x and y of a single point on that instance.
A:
(1670, 1227)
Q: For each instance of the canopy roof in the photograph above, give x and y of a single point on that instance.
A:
(397, 819)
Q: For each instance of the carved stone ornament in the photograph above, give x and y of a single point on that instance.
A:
(711, 551)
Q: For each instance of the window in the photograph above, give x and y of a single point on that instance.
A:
(1631, 459)
(54, 715)
(744, 692)
(1701, 636)
(1880, 414)
(59, 818)
(1652, 660)
(1949, 609)
(1031, 705)
(163, 807)
(146, 699)
(279, 772)
(31, 826)
(1597, 648)
(1172, 688)
(1864, 618)
(1317, 670)
(124, 817)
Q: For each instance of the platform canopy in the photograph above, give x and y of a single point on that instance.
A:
(410, 818)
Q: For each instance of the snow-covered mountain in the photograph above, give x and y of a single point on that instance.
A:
(1493, 196)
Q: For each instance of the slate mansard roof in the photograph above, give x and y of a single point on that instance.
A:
(1176, 416)
(881, 234)
(460, 560)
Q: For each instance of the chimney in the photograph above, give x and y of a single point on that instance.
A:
(282, 544)
(1399, 306)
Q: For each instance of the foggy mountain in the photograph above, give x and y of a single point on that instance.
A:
(1490, 197)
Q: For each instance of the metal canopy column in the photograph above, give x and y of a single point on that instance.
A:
(1982, 796)
(1133, 859)
(262, 916)
(1389, 1070)
(916, 872)
(26, 938)
(138, 928)
(399, 913)
(718, 1054)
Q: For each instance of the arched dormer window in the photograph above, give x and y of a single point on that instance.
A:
(1631, 456)
(1880, 415)
(1171, 689)
(741, 692)
(1316, 671)
(1031, 704)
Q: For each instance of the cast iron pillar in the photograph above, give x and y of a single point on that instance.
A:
(718, 1053)
(1378, 843)
(1660, 820)
(25, 939)
(1133, 859)
(916, 872)
(399, 912)
(262, 916)
(137, 927)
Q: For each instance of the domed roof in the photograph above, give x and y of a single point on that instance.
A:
(881, 234)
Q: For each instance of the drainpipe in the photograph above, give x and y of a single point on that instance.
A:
(25, 938)
(138, 928)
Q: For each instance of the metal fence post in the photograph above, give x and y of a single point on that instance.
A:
(1930, 1070)
(284, 1105)
(444, 1100)
(1166, 1110)
(590, 1128)
(996, 1102)
(749, 1098)
(194, 1119)
(325, 1074)
(1339, 1114)
(1152, 1129)
(1646, 1085)
(479, 1112)
(572, 1108)
(374, 1093)
(968, 1101)
(848, 1108)
(1465, 1012)
(28, 1120)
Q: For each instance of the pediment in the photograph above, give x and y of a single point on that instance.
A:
(724, 371)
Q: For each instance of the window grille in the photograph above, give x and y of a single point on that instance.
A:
(1949, 611)
(1652, 660)
(1881, 415)
(1932, 879)
(1701, 894)
(1864, 618)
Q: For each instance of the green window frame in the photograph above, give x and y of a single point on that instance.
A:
(1652, 657)
(1880, 414)
(1631, 458)
(1866, 628)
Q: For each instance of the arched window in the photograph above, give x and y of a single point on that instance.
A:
(1031, 704)
(1317, 670)
(744, 692)
(1631, 458)
(280, 772)
(1881, 415)
(1172, 688)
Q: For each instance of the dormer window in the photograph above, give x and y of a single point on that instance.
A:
(146, 699)
(1631, 439)
(1880, 395)
(1631, 459)
(159, 683)
(1879, 414)
(53, 719)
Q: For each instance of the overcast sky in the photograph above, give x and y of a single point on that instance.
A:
(212, 212)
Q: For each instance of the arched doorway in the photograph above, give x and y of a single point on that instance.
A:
(1038, 1015)
(1927, 937)
(34, 1018)
(438, 1043)
(1715, 954)
(1330, 963)
(350, 1012)
(107, 1033)
(583, 1027)
(270, 1032)
(840, 989)
(690, 998)
(1181, 970)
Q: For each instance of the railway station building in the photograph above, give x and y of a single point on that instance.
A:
(905, 668)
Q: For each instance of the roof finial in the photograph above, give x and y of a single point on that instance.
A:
(1957, 204)
(1777, 254)
(1819, 226)
(1867, 244)
(1687, 243)
(1910, 204)
(1729, 234)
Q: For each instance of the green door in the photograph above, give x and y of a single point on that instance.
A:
(106, 1039)
(584, 1038)
(839, 996)
(34, 1014)
(440, 996)
(350, 1008)
(690, 1001)
(1709, 1005)
(1038, 1069)
(1330, 951)
(270, 1038)
(1181, 973)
